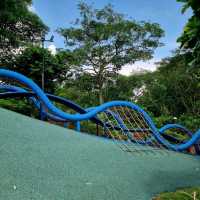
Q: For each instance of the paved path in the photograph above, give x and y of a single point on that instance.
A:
(39, 161)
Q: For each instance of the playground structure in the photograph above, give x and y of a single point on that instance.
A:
(124, 122)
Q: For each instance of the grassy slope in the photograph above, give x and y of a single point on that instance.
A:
(181, 194)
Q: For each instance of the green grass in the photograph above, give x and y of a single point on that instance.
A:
(180, 194)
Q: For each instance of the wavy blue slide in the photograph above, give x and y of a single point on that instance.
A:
(127, 117)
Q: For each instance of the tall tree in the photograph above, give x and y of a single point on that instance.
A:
(30, 63)
(18, 26)
(190, 38)
(173, 90)
(80, 89)
(105, 40)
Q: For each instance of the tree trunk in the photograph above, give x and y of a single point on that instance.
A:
(101, 99)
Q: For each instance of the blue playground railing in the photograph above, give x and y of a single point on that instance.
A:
(123, 117)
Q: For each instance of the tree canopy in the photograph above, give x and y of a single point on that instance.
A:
(32, 59)
(18, 27)
(190, 38)
(105, 40)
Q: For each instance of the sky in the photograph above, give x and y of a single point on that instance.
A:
(61, 13)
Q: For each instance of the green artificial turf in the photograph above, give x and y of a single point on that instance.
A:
(39, 161)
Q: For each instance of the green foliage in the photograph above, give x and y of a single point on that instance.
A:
(192, 122)
(190, 38)
(181, 194)
(18, 105)
(120, 88)
(173, 90)
(80, 89)
(164, 119)
(105, 40)
(18, 27)
(89, 127)
(30, 63)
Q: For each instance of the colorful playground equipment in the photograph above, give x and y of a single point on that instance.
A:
(124, 122)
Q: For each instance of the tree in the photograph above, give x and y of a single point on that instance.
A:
(190, 38)
(30, 63)
(123, 87)
(18, 27)
(80, 89)
(173, 90)
(105, 40)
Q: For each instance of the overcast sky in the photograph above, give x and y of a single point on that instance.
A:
(60, 13)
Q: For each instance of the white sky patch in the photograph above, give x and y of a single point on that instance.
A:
(32, 9)
(139, 67)
(52, 49)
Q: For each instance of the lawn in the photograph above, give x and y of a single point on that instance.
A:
(180, 194)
